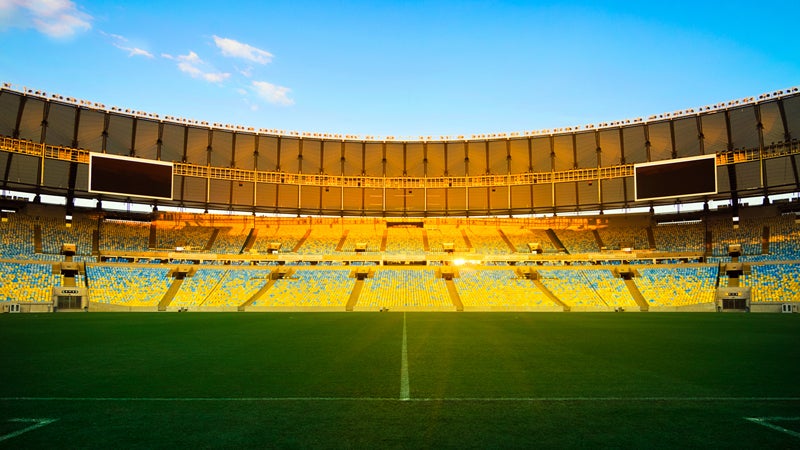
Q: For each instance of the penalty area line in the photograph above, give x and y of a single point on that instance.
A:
(767, 422)
(37, 423)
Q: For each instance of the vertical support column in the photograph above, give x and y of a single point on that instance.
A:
(672, 139)
(761, 167)
(43, 141)
(134, 124)
(300, 170)
(278, 169)
(508, 176)
(466, 175)
(701, 138)
(341, 173)
(14, 134)
(530, 170)
(184, 158)
(598, 154)
(787, 138)
(383, 174)
(575, 167)
(405, 173)
(73, 165)
(363, 174)
(446, 174)
(425, 178)
(232, 165)
(255, 172)
(552, 142)
(622, 161)
(731, 167)
(209, 149)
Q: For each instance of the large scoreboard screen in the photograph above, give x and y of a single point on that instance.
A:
(130, 177)
(675, 178)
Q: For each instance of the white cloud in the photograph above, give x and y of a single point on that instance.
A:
(135, 51)
(121, 42)
(278, 95)
(54, 18)
(194, 66)
(236, 49)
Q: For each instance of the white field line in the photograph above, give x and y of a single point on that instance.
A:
(405, 385)
(767, 422)
(37, 423)
(395, 399)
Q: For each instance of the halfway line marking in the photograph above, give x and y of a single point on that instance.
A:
(766, 421)
(405, 385)
(395, 399)
(37, 423)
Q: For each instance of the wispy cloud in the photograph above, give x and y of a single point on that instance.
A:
(236, 49)
(55, 18)
(278, 95)
(196, 67)
(121, 42)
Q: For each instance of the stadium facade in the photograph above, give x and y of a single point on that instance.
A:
(47, 139)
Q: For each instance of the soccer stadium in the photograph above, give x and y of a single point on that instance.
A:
(460, 282)
(406, 270)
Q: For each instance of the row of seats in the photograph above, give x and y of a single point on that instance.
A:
(125, 285)
(17, 240)
(677, 286)
(310, 289)
(27, 282)
(588, 289)
(405, 290)
(774, 282)
(498, 290)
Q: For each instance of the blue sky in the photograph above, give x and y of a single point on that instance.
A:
(401, 68)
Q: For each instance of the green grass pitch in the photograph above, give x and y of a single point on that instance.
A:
(462, 380)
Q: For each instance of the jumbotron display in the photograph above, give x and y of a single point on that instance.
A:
(120, 175)
(676, 178)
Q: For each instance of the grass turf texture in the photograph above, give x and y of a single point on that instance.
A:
(334, 379)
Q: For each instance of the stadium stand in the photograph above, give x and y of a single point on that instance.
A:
(195, 289)
(487, 240)
(236, 287)
(404, 240)
(27, 282)
(229, 240)
(16, 237)
(404, 290)
(500, 290)
(521, 236)
(287, 234)
(117, 235)
(323, 290)
(127, 285)
(588, 289)
(774, 282)
(578, 241)
(677, 286)
(615, 238)
(680, 237)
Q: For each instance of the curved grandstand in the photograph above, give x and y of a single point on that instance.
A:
(481, 222)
